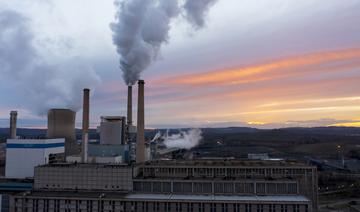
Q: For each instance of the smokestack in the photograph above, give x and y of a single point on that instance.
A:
(140, 138)
(85, 125)
(13, 117)
(129, 106)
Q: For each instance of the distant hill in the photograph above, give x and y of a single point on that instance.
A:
(323, 130)
(40, 133)
(239, 141)
(244, 131)
(283, 143)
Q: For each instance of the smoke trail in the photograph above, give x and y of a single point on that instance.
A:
(183, 140)
(196, 11)
(142, 27)
(44, 86)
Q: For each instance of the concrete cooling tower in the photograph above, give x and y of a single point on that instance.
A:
(61, 124)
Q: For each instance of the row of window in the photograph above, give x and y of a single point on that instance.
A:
(222, 172)
(112, 206)
(218, 187)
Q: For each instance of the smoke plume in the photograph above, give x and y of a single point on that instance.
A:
(196, 11)
(43, 85)
(184, 139)
(142, 27)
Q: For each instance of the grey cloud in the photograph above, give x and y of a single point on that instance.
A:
(196, 10)
(43, 85)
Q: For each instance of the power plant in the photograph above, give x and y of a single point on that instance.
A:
(118, 174)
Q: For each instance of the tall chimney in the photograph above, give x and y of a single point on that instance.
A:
(85, 125)
(129, 106)
(140, 138)
(13, 117)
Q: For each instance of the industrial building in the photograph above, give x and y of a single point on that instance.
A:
(95, 181)
(173, 186)
(23, 155)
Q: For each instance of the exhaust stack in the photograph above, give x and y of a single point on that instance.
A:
(140, 138)
(13, 119)
(85, 126)
(129, 106)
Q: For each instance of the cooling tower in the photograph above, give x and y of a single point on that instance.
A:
(12, 129)
(85, 125)
(129, 106)
(140, 138)
(61, 124)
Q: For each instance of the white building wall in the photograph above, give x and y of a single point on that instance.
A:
(22, 155)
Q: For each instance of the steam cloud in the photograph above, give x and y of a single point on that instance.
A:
(141, 27)
(196, 11)
(183, 140)
(44, 85)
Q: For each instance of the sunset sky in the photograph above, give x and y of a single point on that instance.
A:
(264, 64)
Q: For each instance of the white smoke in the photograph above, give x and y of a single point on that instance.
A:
(157, 136)
(141, 27)
(184, 139)
(43, 85)
(196, 11)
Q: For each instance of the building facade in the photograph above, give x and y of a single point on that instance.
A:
(22, 155)
(114, 202)
(83, 177)
(191, 186)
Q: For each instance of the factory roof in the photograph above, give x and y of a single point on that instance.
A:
(85, 165)
(34, 143)
(167, 197)
(211, 179)
(271, 198)
(224, 163)
(112, 118)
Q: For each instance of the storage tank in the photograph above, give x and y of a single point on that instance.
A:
(61, 124)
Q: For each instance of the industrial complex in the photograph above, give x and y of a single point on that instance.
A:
(120, 173)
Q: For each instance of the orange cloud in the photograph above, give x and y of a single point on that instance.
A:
(347, 124)
(237, 75)
(313, 101)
